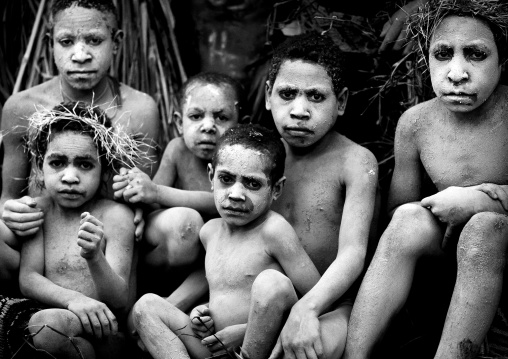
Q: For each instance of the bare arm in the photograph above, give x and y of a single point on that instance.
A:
(190, 291)
(110, 270)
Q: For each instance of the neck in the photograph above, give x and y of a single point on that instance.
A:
(95, 95)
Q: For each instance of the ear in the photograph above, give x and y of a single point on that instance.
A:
(342, 100)
(210, 174)
(268, 93)
(177, 118)
(277, 187)
(117, 40)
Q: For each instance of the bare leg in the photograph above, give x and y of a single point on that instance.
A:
(165, 330)
(334, 331)
(56, 344)
(412, 233)
(481, 256)
(173, 238)
(272, 297)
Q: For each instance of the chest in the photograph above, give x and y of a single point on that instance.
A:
(192, 175)
(468, 157)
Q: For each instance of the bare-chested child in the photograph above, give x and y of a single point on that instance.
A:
(210, 103)
(459, 139)
(247, 242)
(80, 267)
(84, 37)
(329, 197)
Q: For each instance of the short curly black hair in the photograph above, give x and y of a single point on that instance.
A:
(105, 6)
(314, 48)
(258, 138)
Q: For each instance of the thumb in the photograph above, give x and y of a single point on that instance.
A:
(277, 350)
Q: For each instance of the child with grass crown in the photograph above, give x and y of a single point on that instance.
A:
(210, 103)
(458, 139)
(80, 267)
(85, 37)
(247, 242)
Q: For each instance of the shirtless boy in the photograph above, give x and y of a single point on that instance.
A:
(459, 140)
(80, 267)
(85, 37)
(248, 241)
(210, 104)
(330, 192)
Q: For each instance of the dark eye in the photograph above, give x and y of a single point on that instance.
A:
(94, 41)
(255, 185)
(195, 116)
(226, 179)
(316, 97)
(223, 118)
(477, 55)
(287, 95)
(56, 163)
(86, 165)
(443, 54)
(65, 42)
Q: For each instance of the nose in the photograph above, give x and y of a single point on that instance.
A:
(300, 108)
(236, 192)
(208, 125)
(70, 175)
(81, 53)
(458, 73)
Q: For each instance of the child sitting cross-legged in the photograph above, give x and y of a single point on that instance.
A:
(80, 267)
(247, 242)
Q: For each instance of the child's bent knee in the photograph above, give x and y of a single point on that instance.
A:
(273, 287)
(146, 307)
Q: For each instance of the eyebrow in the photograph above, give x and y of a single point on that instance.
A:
(314, 89)
(255, 178)
(79, 158)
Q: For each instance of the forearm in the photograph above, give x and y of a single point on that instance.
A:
(35, 286)
(337, 279)
(201, 201)
(111, 288)
(190, 291)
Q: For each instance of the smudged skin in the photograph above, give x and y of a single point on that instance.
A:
(80, 264)
(329, 199)
(246, 244)
(83, 47)
(180, 191)
(459, 140)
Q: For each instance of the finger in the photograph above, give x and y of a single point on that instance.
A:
(277, 350)
(120, 183)
(426, 202)
(90, 219)
(318, 348)
(29, 201)
(123, 171)
(96, 325)
(113, 322)
(138, 215)
(24, 226)
(447, 236)
(27, 232)
(87, 326)
(138, 232)
(118, 194)
(400, 41)
(386, 26)
(105, 326)
(408, 48)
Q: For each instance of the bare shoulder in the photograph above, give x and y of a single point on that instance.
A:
(175, 149)
(22, 105)
(417, 116)
(138, 102)
(276, 229)
(115, 215)
(210, 229)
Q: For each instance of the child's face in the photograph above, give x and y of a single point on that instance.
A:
(71, 169)
(207, 112)
(464, 63)
(83, 45)
(303, 103)
(241, 186)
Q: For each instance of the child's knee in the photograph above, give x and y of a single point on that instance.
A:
(146, 307)
(273, 289)
(483, 241)
(50, 329)
(412, 231)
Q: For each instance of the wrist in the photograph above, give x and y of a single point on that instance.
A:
(307, 306)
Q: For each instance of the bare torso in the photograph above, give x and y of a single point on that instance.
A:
(232, 263)
(191, 171)
(313, 198)
(462, 152)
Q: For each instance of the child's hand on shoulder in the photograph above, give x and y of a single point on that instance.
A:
(97, 319)
(90, 236)
(201, 321)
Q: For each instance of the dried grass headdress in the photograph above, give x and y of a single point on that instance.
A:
(116, 148)
(423, 23)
